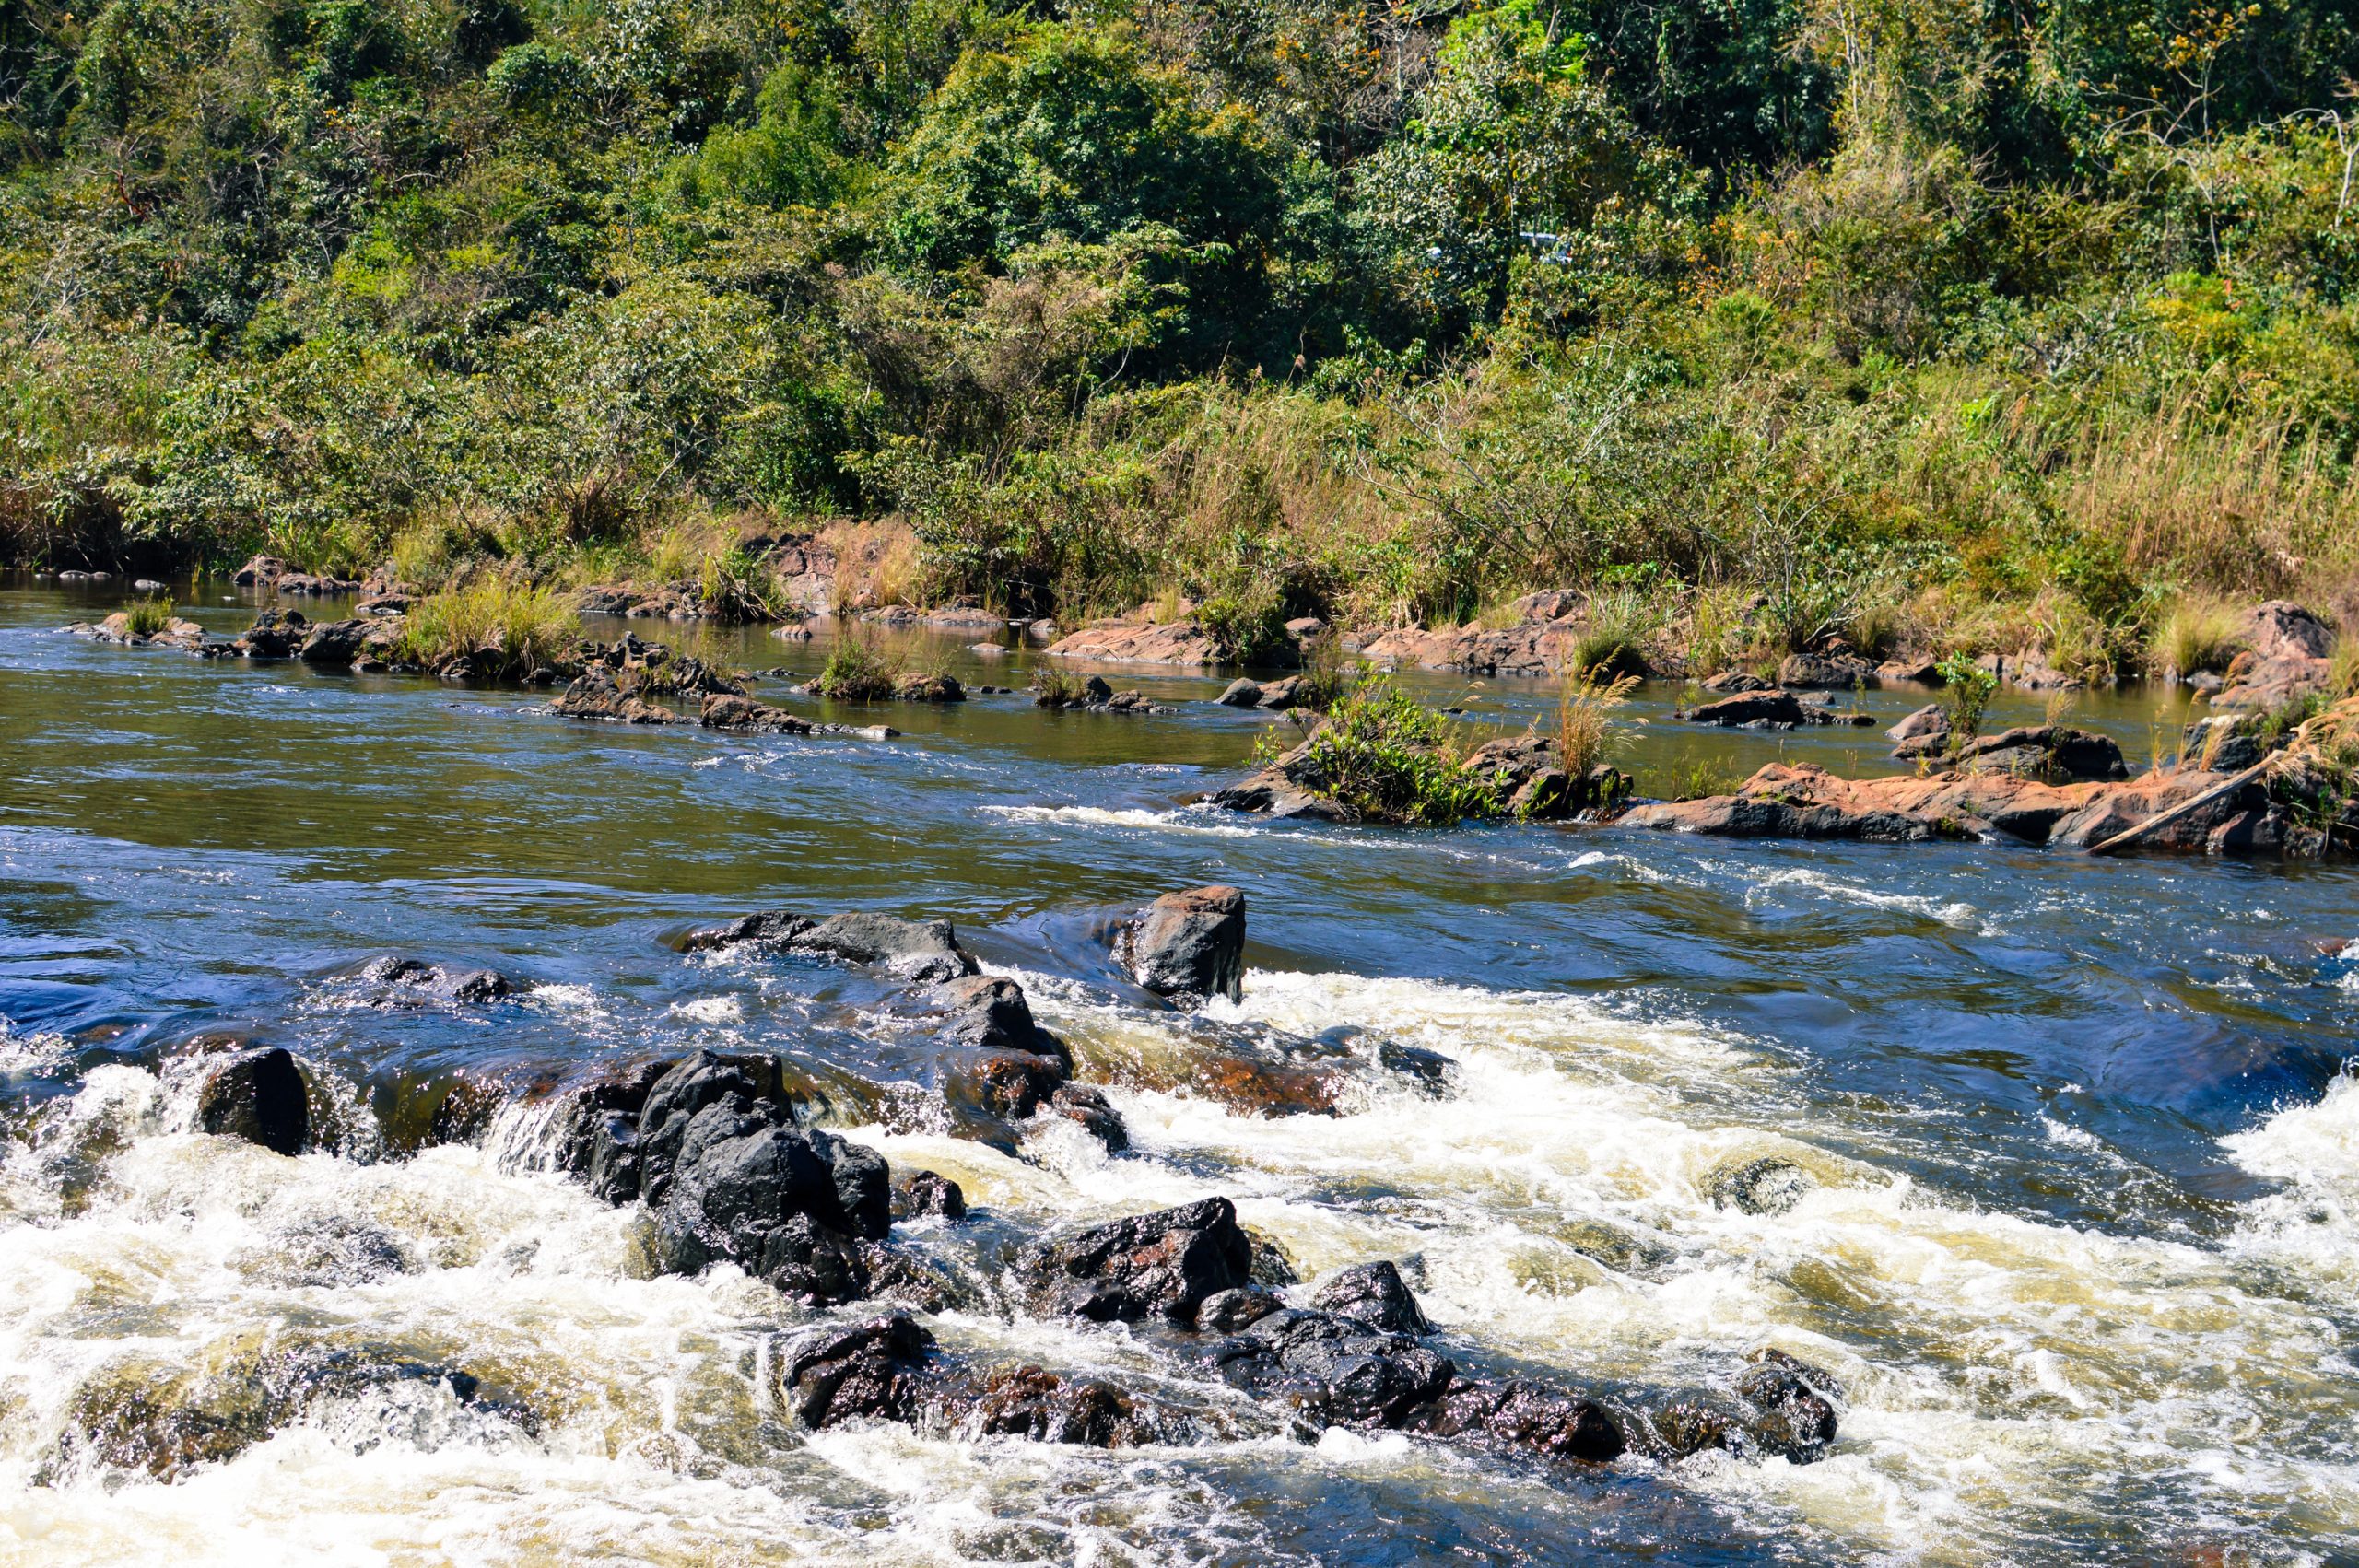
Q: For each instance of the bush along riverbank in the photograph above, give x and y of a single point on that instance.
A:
(724, 1157)
(1766, 324)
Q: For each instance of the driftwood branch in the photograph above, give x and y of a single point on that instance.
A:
(2164, 819)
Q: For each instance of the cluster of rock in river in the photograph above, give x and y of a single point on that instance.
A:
(719, 1153)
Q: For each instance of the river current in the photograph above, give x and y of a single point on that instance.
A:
(2082, 1243)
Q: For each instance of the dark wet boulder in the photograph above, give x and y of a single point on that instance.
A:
(989, 1012)
(1375, 1294)
(1523, 1415)
(786, 1204)
(875, 1370)
(1151, 1266)
(917, 951)
(1190, 943)
(701, 1079)
(1226, 1312)
(258, 1095)
(1048, 1407)
(1432, 1073)
(743, 715)
(927, 1193)
(463, 1111)
(986, 1090)
(1795, 1406)
(1088, 1108)
(1334, 1370)
(1771, 710)
(478, 986)
(1240, 692)
(776, 927)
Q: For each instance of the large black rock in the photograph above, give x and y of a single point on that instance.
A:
(1374, 1294)
(257, 1096)
(1190, 943)
(1334, 1370)
(1160, 1266)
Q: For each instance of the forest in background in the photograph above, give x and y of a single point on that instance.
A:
(1943, 324)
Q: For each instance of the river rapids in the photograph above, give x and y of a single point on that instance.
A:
(2076, 1227)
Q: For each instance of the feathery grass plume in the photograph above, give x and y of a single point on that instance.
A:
(1585, 731)
(147, 617)
(503, 628)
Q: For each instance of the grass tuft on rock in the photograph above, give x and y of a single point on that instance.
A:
(498, 628)
(858, 670)
(148, 617)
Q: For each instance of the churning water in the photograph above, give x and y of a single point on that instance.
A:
(2080, 1237)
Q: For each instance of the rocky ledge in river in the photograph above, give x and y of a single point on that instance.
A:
(2219, 813)
(1359, 1354)
(1096, 695)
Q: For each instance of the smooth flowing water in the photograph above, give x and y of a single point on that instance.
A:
(2081, 1245)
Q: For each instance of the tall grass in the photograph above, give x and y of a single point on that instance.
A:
(2197, 633)
(500, 627)
(147, 617)
(1585, 704)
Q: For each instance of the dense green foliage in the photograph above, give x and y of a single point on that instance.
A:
(1954, 324)
(1391, 760)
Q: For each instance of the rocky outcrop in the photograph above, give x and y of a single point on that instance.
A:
(1278, 695)
(2287, 655)
(1834, 670)
(257, 1096)
(1138, 638)
(1376, 1294)
(918, 951)
(177, 632)
(1804, 801)
(1188, 945)
(743, 715)
(601, 693)
(1095, 695)
(1924, 734)
(2049, 751)
(1159, 1266)
(1335, 1370)
(1770, 707)
(1524, 771)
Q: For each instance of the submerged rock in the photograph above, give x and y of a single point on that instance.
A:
(925, 1193)
(1518, 1414)
(1190, 943)
(1764, 1186)
(1151, 1266)
(919, 950)
(1087, 1107)
(258, 1095)
(877, 1369)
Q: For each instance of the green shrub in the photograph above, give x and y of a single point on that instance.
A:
(1390, 760)
(1328, 674)
(1968, 689)
(858, 670)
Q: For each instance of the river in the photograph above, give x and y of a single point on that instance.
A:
(2079, 1246)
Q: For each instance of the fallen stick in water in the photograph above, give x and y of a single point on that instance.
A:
(2164, 819)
